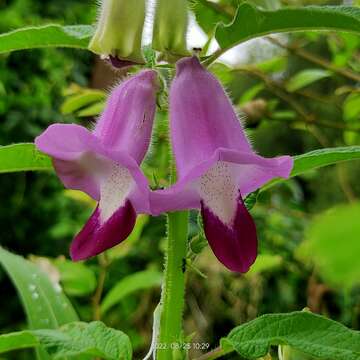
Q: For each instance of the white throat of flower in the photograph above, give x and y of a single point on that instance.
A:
(114, 190)
(218, 188)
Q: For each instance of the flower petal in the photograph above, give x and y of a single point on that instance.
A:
(98, 236)
(126, 123)
(202, 117)
(250, 170)
(76, 156)
(234, 244)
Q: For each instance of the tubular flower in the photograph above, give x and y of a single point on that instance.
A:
(105, 163)
(170, 27)
(119, 32)
(216, 165)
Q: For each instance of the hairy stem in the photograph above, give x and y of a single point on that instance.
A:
(173, 290)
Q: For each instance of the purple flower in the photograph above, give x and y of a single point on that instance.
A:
(216, 165)
(105, 163)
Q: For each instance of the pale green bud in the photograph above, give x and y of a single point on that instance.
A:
(119, 31)
(170, 26)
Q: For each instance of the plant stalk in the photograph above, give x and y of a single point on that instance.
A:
(173, 290)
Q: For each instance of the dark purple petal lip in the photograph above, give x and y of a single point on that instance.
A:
(119, 63)
(234, 245)
(95, 237)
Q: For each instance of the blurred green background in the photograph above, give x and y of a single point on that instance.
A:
(294, 99)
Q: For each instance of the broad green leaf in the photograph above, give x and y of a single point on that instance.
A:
(78, 101)
(305, 78)
(250, 22)
(44, 303)
(22, 157)
(17, 340)
(93, 339)
(312, 334)
(338, 264)
(208, 14)
(130, 284)
(73, 340)
(76, 278)
(319, 158)
(52, 35)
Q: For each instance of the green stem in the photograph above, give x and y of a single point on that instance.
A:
(173, 291)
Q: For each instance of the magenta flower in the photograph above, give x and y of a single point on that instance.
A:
(216, 165)
(104, 163)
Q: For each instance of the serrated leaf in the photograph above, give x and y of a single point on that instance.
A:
(250, 22)
(23, 157)
(130, 284)
(52, 35)
(44, 303)
(94, 339)
(73, 340)
(312, 334)
(305, 78)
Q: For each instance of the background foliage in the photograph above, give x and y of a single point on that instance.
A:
(299, 93)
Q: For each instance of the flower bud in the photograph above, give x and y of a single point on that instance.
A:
(119, 31)
(170, 25)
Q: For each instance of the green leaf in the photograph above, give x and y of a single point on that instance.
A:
(93, 339)
(52, 35)
(74, 339)
(305, 78)
(92, 110)
(78, 101)
(338, 265)
(323, 157)
(312, 334)
(22, 157)
(130, 284)
(250, 93)
(251, 199)
(44, 303)
(17, 340)
(319, 158)
(250, 22)
(276, 64)
(351, 107)
(208, 14)
(265, 262)
(76, 278)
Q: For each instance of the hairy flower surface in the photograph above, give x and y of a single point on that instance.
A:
(119, 32)
(170, 27)
(105, 163)
(216, 165)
